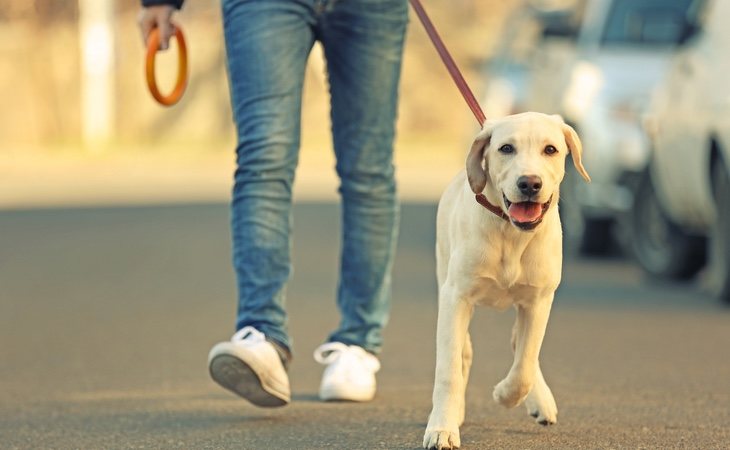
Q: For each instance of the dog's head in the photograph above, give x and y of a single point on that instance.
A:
(521, 159)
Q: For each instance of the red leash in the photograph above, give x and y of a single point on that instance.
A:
(463, 88)
(449, 62)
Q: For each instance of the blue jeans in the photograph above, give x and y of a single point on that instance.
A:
(267, 44)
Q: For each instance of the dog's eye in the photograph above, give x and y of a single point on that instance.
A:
(550, 150)
(506, 149)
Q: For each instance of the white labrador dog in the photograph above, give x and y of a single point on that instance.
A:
(502, 248)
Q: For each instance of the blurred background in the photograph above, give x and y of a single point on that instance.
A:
(641, 81)
(74, 75)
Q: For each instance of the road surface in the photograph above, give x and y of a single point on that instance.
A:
(107, 316)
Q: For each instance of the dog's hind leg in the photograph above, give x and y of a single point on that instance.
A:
(540, 402)
(527, 339)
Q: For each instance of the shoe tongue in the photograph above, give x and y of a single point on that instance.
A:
(250, 334)
(329, 352)
(525, 211)
(347, 357)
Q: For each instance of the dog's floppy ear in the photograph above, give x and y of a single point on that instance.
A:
(476, 173)
(576, 148)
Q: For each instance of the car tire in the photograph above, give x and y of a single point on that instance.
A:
(597, 239)
(661, 247)
(720, 237)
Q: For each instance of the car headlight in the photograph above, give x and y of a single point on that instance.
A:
(585, 82)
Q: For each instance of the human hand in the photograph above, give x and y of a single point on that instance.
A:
(157, 17)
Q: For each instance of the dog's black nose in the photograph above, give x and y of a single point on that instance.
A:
(529, 185)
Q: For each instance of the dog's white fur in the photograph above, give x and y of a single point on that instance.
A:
(483, 259)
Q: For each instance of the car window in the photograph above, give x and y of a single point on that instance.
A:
(649, 22)
(528, 28)
(521, 32)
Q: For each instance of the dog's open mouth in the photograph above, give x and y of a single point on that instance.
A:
(526, 215)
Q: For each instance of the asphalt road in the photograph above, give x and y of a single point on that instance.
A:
(107, 315)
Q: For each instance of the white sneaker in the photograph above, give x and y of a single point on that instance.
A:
(350, 372)
(250, 366)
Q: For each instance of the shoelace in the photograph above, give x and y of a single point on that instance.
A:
(249, 334)
(337, 351)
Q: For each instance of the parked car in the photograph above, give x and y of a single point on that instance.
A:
(686, 197)
(538, 43)
(624, 48)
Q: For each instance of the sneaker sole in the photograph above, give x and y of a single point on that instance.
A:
(238, 377)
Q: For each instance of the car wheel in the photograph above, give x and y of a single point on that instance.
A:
(662, 248)
(720, 238)
(597, 239)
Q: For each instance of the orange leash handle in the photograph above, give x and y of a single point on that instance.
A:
(153, 44)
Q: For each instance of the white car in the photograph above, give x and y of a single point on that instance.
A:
(687, 196)
(538, 42)
(624, 47)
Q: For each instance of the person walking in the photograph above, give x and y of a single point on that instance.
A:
(267, 46)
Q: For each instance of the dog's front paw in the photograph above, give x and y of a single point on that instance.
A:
(441, 439)
(541, 405)
(510, 393)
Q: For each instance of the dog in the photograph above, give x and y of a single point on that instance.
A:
(499, 243)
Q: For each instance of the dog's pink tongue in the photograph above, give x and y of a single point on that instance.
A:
(525, 211)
